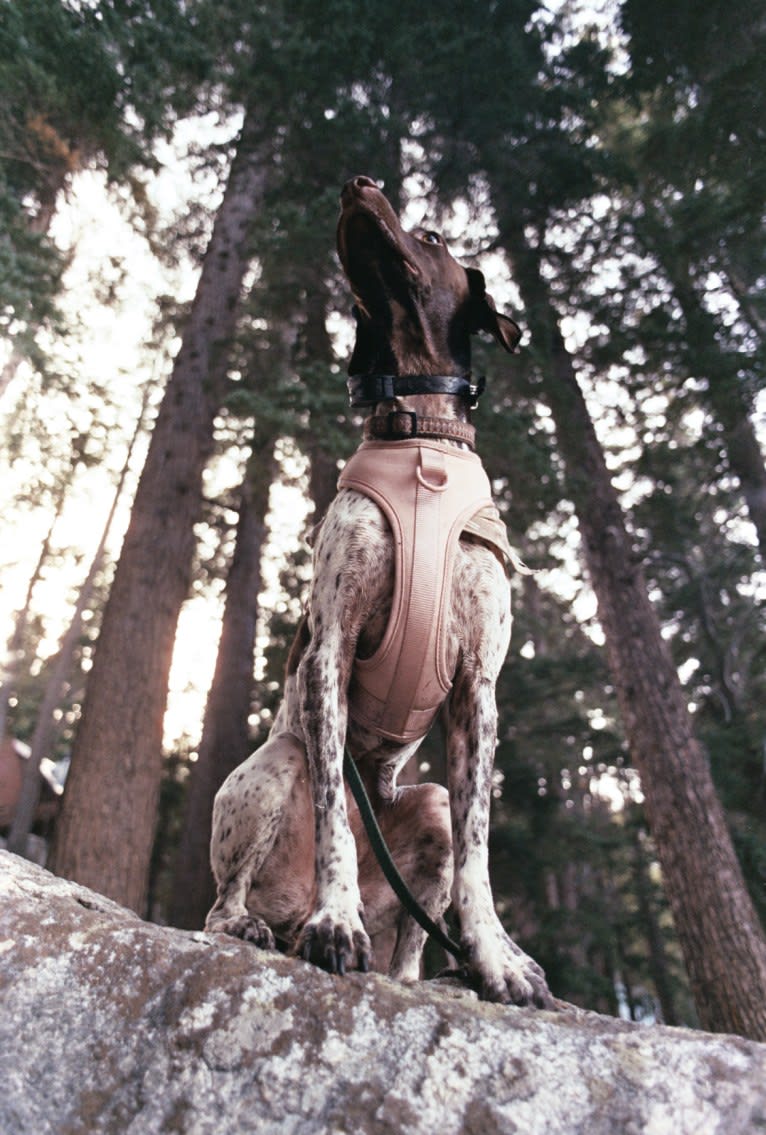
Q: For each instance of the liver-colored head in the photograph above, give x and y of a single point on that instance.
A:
(416, 307)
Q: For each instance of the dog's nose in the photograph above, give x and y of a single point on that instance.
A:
(356, 185)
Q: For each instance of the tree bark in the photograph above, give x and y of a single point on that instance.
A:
(722, 941)
(43, 739)
(323, 479)
(225, 739)
(105, 831)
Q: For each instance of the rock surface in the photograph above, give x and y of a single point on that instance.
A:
(111, 1025)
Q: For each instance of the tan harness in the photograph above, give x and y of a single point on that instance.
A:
(430, 493)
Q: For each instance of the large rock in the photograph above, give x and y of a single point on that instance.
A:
(109, 1024)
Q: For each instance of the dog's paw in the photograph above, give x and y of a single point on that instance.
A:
(249, 928)
(334, 944)
(507, 975)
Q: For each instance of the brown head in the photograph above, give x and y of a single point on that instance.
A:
(416, 307)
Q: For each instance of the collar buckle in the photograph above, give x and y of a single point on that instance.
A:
(393, 428)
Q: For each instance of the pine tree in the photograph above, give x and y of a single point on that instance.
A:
(226, 740)
(703, 879)
(80, 88)
(529, 154)
(112, 791)
(687, 137)
(45, 729)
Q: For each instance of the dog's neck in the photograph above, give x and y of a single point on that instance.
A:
(447, 406)
(435, 417)
(426, 404)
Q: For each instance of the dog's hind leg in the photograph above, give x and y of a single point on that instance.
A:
(248, 812)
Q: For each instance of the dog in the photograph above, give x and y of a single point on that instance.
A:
(292, 863)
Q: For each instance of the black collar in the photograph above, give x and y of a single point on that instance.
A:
(368, 389)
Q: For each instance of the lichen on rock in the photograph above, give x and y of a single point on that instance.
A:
(111, 1025)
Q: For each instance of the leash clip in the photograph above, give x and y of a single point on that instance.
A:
(476, 389)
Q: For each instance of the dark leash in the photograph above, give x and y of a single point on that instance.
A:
(389, 868)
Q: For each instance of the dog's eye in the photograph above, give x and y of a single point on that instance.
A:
(431, 238)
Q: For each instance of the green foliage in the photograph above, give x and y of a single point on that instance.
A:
(702, 571)
(30, 273)
(56, 82)
(80, 85)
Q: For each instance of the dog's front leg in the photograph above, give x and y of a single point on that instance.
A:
(334, 936)
(502, 971)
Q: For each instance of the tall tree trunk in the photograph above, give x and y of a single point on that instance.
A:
(724, 392)
(8, 371)
(728, 403)
(105, 831)
(658, 960)
(323, 478)
(16, 643)
(316, 350)
(45, 729)
(723, 944)
(225, 739)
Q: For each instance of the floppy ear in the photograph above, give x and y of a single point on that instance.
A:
(485, 317)
(363, 355)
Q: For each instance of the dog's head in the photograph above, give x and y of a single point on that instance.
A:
(416, 307)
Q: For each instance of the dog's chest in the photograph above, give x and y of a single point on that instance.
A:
(427, 491)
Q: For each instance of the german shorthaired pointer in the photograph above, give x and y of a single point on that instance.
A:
(289, 854)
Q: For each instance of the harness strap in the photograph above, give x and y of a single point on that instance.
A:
(427, 491)
(389, 868)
